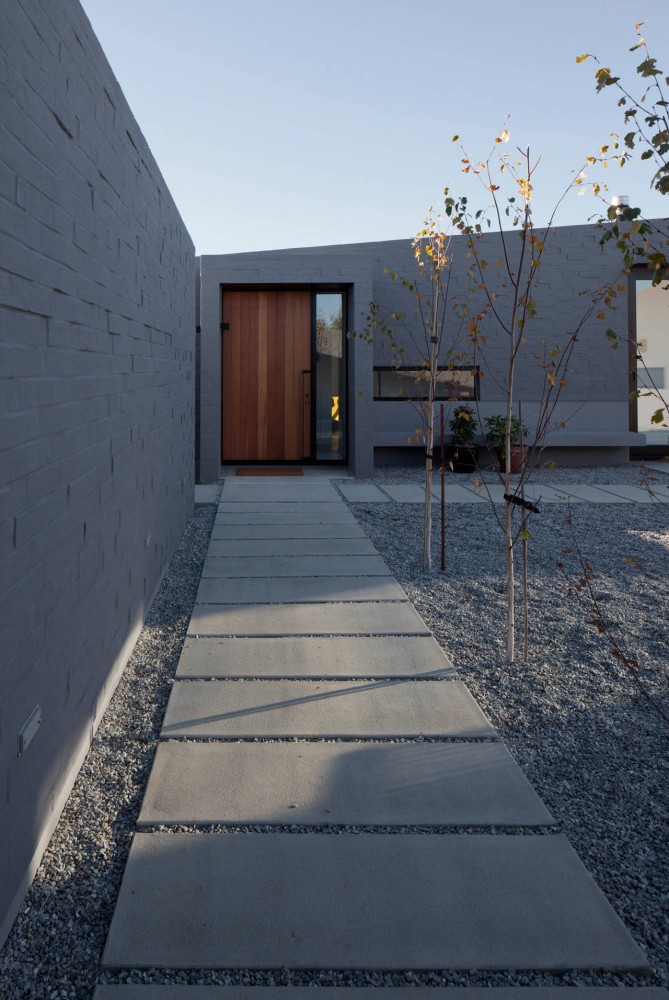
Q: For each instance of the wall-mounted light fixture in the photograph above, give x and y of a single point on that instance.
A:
(620, 202)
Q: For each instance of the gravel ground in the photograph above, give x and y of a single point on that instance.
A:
(588, 740)
(572, 717)
(55, 946)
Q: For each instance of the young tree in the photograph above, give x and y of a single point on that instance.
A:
(503, 296)
(429, 289)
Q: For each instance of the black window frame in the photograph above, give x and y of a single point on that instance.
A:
(451, 397)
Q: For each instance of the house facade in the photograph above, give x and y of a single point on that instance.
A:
(287, 373)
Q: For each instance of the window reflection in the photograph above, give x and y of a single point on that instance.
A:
(330, 378)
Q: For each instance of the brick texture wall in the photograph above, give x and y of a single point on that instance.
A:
(573, 262)
(97, 340)
(594, 403)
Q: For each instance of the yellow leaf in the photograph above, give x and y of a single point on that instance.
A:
(455, 138)
(601, 315)
(580, 59)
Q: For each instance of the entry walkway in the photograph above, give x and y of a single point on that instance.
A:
(328, 795)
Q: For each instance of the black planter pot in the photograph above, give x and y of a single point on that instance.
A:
(464, 458)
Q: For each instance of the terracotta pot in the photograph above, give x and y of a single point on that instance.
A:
(518, 456)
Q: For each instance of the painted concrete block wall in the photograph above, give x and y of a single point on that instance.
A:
(97, 327)
(343, 266)
(594, 401)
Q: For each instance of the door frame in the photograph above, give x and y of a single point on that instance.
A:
(314, 289)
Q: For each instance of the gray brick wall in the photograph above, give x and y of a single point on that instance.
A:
(97, 328)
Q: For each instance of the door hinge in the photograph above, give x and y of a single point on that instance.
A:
(225, 326)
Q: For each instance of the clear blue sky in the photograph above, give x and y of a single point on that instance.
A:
(284, 123)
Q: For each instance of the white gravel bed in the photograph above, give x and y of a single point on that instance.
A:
(591, 745)
(56, 943)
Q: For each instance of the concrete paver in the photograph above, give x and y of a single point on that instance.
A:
(322, 709)
(205, 494)
(658, 466)
(592, 494)
(636, 494)
(361, 618)
(457, 493)
(405, 492)
(540, 493)
(298, 589)
(290, 547)
(139, 991)
(279, 488)
(362, 493)
(259, 531)
(311, 901)
(294, 565)
(314, 656)
(274, 506)
(371, 784)
(309, 515)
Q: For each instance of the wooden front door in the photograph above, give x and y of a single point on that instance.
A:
(266, 410)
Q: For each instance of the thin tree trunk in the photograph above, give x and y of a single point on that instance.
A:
(511, 588)
(429, 444)
(427, 508)
(441, 481)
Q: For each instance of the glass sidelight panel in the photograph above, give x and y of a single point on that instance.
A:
(652, 338)
(330, 387)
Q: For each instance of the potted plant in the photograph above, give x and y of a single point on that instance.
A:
(495, 437)
(464, 456)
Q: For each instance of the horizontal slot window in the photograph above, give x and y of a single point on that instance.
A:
(413, 383)
(651, 378)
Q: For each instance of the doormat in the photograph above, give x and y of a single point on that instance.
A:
(269, 472)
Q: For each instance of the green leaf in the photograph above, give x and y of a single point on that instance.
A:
(647, 68)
